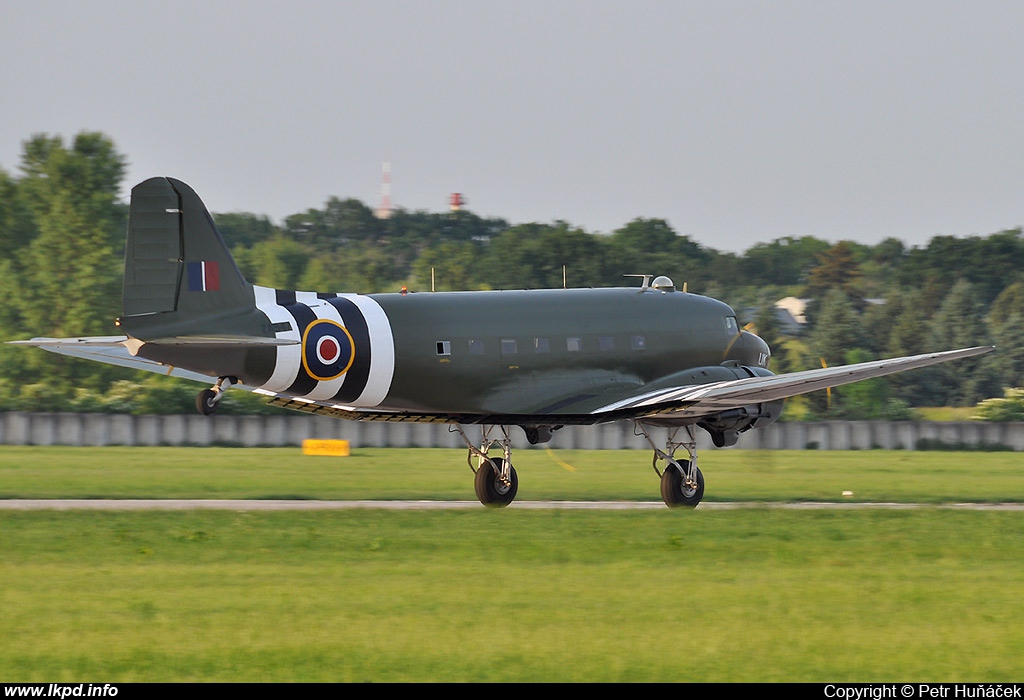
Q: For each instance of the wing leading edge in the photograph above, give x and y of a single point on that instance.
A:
(706, 399)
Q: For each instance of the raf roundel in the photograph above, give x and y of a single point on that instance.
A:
(327, 350)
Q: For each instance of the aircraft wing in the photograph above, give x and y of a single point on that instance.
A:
(705, 399)
(681, 403)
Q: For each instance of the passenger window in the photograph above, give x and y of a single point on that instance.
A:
(508, 347)
(476, 347)
(444, 347)
(606, 342)
(572, 344)
(541, 345)
(637, 342)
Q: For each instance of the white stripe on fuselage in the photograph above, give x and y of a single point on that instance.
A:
(289, 357)
(382, 350)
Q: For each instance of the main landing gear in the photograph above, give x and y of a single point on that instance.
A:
(208, 399)
(682, 484)
(496, 481)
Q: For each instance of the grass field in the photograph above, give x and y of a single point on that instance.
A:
(755, 594)
(731, 475)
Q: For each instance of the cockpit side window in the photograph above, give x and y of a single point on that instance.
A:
(731, 325)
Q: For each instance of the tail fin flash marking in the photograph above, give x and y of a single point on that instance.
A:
(203, 276)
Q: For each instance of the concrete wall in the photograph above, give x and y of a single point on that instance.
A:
(290, 429)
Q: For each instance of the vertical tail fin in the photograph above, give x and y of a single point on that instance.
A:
(177, 267)
(175, 259)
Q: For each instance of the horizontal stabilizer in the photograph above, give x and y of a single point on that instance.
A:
(106, 341)
(109, 341)
(114, 350)
(223, 341)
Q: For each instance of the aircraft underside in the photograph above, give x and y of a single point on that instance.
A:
(495, 478)
(496, 481)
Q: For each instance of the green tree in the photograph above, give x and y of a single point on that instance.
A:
(1006, 325)
(69, 272)
(765, 323)
(960, 323)
(532, 256)
(1009, 407)
(837, 268)
(453, 264)
(837, 328)
(836, 332)
(784, 261)
(869, 399)
(651, 246)
(278, 262)
(243, 230)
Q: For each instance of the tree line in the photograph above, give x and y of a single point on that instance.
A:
(62, 229)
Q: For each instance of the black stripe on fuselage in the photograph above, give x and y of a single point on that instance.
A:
(359, 372)
(303, 316)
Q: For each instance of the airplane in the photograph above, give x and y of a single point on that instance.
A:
(537, 359)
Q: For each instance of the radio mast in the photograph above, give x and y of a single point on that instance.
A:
(384, 207)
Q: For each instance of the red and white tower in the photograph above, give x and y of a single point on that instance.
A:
(384, 207)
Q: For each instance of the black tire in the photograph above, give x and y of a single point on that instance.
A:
(206, 402)
(674, 490)
(489, 487)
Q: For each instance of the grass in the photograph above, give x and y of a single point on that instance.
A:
(754, 594)
(945, 413)
(748, 595)
(731, 475)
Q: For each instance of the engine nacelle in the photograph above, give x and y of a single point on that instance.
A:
(725, 427)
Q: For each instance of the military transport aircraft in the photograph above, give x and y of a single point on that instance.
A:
(538, 359)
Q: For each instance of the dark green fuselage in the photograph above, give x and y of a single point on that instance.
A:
(556, 351)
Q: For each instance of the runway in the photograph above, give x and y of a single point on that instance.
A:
(269, 505)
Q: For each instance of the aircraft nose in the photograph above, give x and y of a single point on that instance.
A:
(757, 351)
(750, 350)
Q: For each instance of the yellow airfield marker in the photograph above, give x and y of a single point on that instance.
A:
(326, 448)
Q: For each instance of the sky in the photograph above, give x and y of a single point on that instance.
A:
(737, 121)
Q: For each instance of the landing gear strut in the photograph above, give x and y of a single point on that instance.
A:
(682, 484)
(496, 481)
(208, 399)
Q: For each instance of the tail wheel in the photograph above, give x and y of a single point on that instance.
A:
(206, 401)
(675, 490)
(492, 491)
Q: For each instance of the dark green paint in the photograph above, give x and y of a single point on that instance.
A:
(680, 331)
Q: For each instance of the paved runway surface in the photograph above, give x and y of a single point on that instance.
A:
(242, 505)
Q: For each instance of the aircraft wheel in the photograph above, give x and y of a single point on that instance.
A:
(490, 489)
(206, 401)
(674, 490)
